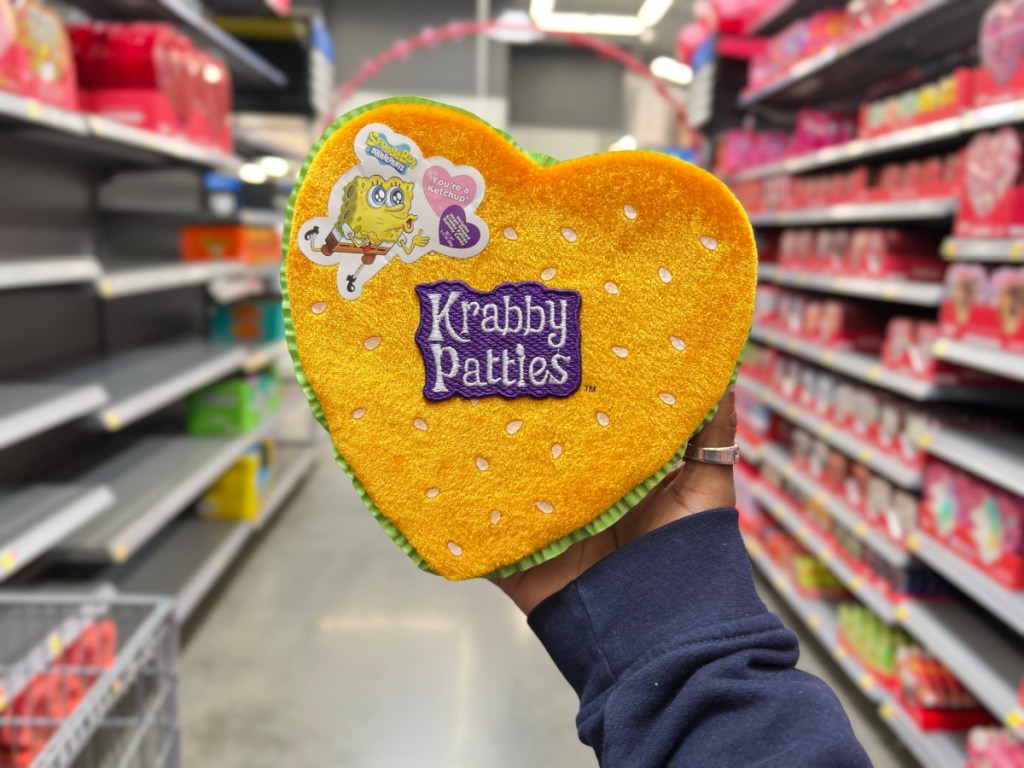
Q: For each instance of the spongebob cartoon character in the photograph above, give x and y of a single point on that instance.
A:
(375, 217)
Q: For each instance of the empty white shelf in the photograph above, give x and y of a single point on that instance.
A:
(27, 410)
(145, 380)
(35, 518)
(36, 273)
(149, 278)
(185, 562)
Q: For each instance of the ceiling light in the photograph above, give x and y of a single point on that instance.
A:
(252, 173)
(276, 167)
(547, 19)
(653, 11)
(515, 28)
(672, 70)
(624, 144)
(590, 24)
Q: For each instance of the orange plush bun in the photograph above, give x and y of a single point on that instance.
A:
(508, 351)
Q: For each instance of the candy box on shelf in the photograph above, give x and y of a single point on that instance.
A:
(978, 521)
(220, 242)
(985, 309)
(247, 321)
(849, 326)
(239, 493)
(991, 195)
(1000, 77)
(233, 406)
(992, 747)
(932, 696)
(45, 50)
(812, 579)
(894, 254)
(15, 68)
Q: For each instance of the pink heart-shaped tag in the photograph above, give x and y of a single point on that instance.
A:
(442, 189)
(993, 166)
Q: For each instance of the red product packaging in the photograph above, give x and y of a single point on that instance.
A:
(39, 61)
(15, 69)
(1008, 301)
(991, 198)
(849, 326)
(1000, 77)
(979, 522)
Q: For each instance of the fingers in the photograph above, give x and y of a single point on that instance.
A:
(701, 486)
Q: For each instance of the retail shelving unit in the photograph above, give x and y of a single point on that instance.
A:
(145, 380)
(154, 478)
(27, 410)
(190, 555)
(100, 485)
(245, 63)
(979, 637)
(922, 294)
(932, 749)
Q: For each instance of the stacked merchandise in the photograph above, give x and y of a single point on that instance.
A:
(880, 405)
(142, 74)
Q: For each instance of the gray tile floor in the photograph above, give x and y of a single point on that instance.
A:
(328, 648)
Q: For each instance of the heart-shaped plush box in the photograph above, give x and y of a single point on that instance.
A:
(536, 359)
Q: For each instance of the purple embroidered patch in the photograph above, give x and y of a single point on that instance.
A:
(519, 339)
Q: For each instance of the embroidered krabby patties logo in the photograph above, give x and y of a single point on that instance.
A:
(519, 339)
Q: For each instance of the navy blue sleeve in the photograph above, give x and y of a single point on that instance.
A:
(678, 663)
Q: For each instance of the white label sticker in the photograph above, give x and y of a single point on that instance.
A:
(394, 202)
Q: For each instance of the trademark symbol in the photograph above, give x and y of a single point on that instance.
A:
(590, 389)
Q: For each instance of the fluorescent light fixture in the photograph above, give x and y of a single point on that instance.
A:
(624, 144)
(252, 173)
(516, 28)
(653, 11)
(672, 70)
(546, 18)
(275, 167)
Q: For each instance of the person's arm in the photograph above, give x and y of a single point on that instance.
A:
(656, 624)
(678, 663)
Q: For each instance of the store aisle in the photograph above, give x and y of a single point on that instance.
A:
(328, 649)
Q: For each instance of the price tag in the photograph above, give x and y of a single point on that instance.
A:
(860, 530)
(8, 560)
(874, 374)
(1015, 719)
(856, 583)
(892, 291)
(902, 613)
(925, 440)
(791, 412)
(913, 542)
(33, 109)
(111, 420)
(106, 288)
(1016, 250)
(842, 653)
(828, 356)
(950, 248)
(826, 556)
(54, 645)
(801, 533)
(865, 681)
(887, 711)
(824, 430)
(940, 347)
(864, 455)
(814, 621)
(120, 552)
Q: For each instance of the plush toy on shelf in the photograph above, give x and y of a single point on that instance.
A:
(509, 352)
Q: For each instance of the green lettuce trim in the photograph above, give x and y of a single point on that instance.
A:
(603, 521)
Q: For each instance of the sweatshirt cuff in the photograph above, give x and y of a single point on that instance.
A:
(688, 574)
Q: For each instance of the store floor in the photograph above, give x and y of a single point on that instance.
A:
(328, 649)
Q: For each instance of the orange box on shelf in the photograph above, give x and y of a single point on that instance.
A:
(230, 242)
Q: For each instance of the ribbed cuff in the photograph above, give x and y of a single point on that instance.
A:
(689, 574)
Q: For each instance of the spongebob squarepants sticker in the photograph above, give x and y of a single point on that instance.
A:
(394, 202)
